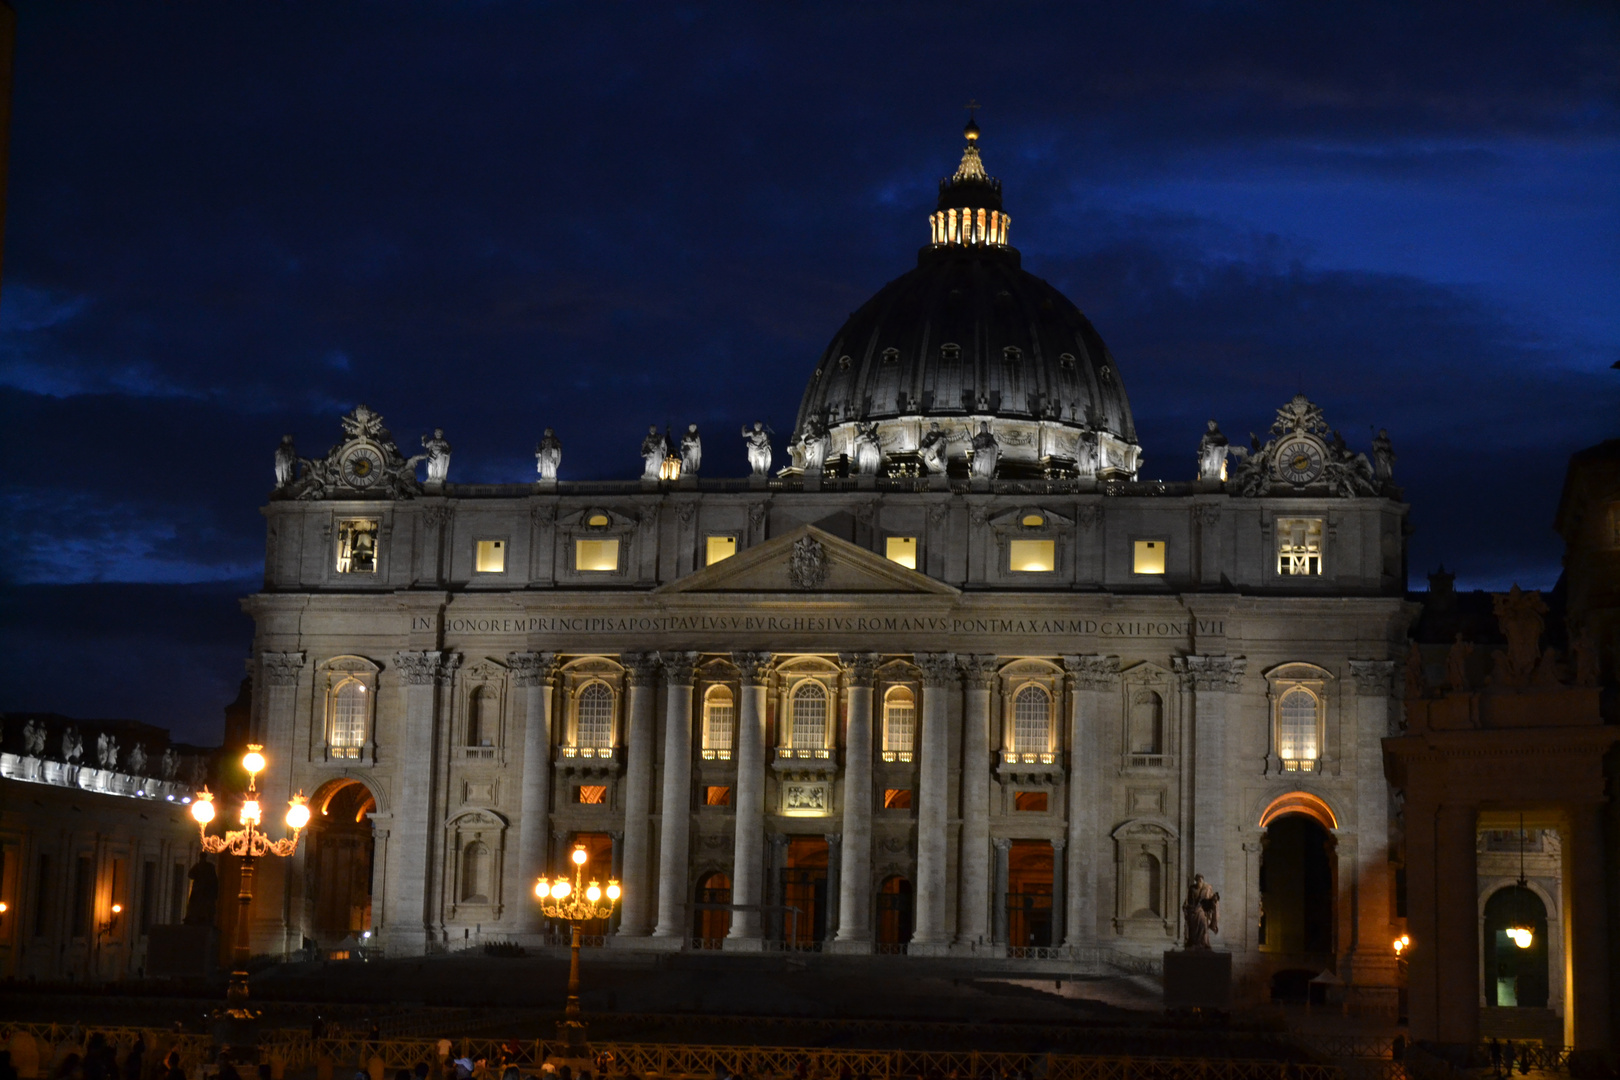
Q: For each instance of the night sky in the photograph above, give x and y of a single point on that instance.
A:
(228, 221)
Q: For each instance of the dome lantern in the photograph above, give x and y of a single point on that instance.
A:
(969, 207)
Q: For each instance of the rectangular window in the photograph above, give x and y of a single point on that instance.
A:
(718, 548)
(717, 796)
(1299, 546)
(492, 556)
(596, 556)
(903, 550)
(593, 794)
(1031, 556)
(1030, 800)
(897, 798)
(1148, 557)
(357, 546)
(84, 894)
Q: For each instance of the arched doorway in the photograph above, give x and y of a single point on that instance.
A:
(1515, 977)
(338, 862)
(1298, 871)
(711, 923)
(895, 906)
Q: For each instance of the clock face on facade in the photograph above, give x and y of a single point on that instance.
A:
(362, 467)
(1299, 459)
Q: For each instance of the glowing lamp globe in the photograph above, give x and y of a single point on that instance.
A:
(1521, 936)
(202, 811)
(253, 761)
(542, 888)
(579, 856)
(594, 893)
(560, 890)
(613, 890)
(297, 814)
(117, 909)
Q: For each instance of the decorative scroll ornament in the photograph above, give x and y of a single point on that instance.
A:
(807, 568)
(366, 463)
(1302, 454)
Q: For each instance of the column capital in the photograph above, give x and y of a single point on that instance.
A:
(640, 668)
(859, 668)
(1211, 673)
(754, 666)
(1374, 678)
(978, 670)
(532, 668)
(1058, 845)
(427, 668)
(281, 668)
(1002, 843)
(939, 669)
(833, 839)
(679, 667)
(1093, 672)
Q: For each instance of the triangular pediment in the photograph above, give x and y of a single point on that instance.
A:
(808, 561)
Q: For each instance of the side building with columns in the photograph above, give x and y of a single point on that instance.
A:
(955, 681)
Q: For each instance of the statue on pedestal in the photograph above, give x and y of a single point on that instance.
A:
(1202, 912)
(653, 450)
(548, 455)
(1383, 457)
(986, 452)
(691, 451)
(438, 456)
(931, 450)
(1457, 664)
(34, 739)
(868, 451)
(759, 449)
(204, 894)
(72, 745)
(1521, 615)
(1212, 449)
(286, 462)
(169, 764)
(135, 764)
(106, 751)
(813, 444)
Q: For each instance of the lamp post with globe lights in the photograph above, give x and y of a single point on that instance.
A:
(247, 843)
(577, 902)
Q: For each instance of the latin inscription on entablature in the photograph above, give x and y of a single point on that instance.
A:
(855, 624)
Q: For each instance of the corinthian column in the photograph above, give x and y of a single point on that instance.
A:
(407, 916)
(641, 669)
(675, 830)
(855, 868)
(978, 677)
(535, 675)
(933, 810)
(1211, 680)
(748, 854)
(1093, 680)
(276, 728)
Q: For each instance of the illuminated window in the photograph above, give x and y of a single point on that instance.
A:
(897, 798)
(899, 724)
(1031, 556)
(350, 710)
(716, 796)
(1034, 801)
(1033, 521)
(596, 556)
(357, 546)
(1299, 546)
(809, 710)
(1032, 721)
(1297, 727)
(903, 550)
(720, 547)
(1149, 557)
(593, 717)
(718, 715)
(592, 794)
(491, 556)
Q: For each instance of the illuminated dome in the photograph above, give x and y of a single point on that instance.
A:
(969, 337)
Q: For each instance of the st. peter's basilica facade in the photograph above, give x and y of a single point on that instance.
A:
(951, 680)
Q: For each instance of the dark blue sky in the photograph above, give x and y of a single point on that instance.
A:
(231, 221)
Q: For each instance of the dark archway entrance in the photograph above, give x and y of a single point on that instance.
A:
(895, 906)
(337, 867)
(1515, 977)
(804, 888)
(710, 925)
(1297, 887)
(1029, 894)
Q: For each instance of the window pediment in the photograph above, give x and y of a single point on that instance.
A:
(597, 519)
(350, 665)
(1018, 520)
(1300, 671)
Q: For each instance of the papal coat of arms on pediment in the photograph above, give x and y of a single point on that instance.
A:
(807, 567)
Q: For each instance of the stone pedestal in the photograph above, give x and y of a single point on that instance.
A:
(1197, 979)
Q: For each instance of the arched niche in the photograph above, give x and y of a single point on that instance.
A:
(475, 840)
(1145, 876)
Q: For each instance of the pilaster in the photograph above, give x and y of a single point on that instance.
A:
(408, 903)
(854, 878)
(978, 679)
(933, 810)
(1092, 680)
(748, 851)
(675, 828)
(641, 670)
(534, 677)
(1211, 680)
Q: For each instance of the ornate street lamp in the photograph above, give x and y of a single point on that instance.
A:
(561, 900)
(247, 843)
(1522, 932)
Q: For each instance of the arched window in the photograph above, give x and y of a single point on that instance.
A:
(1297, 726)
(899, 724)
(1147, 723)
(1032, 721)
(475, 868)
(718, 715)
(483, 719)
(593, 717)
(809, 731)
(350, 711)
